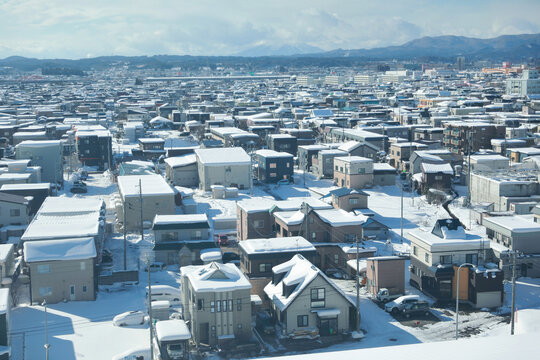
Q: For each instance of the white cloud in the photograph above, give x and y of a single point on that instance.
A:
(61, 28)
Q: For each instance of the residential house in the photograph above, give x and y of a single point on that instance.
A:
(5, 324)
(349, 199)
(94, 147)
(182, 170)
(274, 166)
(385, 272)
(14, 210)
(436, 176)
(217, 303)
(283, 143)
(223, 166)
(323, 163)
(61, 270)
(47, 154)
(400, 154)
(305, 154)
(179, 239)
(156, 195)
(306, 303)
(35, 193)
(436, 255)
(8, 267)
(353, 172)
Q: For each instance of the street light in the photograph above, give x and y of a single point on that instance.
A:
(47, 345)
(457, 294)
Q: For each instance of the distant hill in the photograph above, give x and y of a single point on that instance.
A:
(506, 46)
(284, 50)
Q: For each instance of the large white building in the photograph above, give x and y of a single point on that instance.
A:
(527, 84)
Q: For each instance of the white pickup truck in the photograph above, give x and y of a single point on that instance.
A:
(385, 295)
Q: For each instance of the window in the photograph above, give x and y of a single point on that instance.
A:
(353, 201)
(426, 257)
(218, 306)
(258, 223)
(337, 167)
(239, 305)
(317, 298)
(288, 165)
(15, 212)
(273, 165)
(415, 250)
(83, 266)
(213, 306)
(336, 258)
(362, 170)
(446, 259)
(224, 305)
(44, 269)
(273, 174)
(314, 236)
(265, 267)
(230, 307)
(302, 320)
(45, 291)
(471, 259)
(200, 304)
(196, 235)
(438, 177)
(84, 288)
(169, 236)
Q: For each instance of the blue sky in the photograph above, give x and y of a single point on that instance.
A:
(77, 29)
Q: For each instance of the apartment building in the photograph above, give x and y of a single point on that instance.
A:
(462, 137)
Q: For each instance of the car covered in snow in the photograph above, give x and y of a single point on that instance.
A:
(129, 318)
(397, 305)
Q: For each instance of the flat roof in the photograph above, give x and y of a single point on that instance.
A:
(514, 223)
(151, 185)
(223, 156)
(276, 245)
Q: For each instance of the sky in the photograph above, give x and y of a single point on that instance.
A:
(78, 29)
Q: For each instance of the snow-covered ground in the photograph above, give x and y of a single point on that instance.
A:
(83, 330)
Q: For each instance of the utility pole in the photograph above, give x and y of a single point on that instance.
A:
(512, 315)
(357, 284)
(141, 202)
(47, 345)
(125, 234)
(251, 171)
(401, 236)
(150, 306)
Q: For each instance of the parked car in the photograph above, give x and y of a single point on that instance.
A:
(129, 318)
(165, 292)
(386, 295)
(263, 323)
(223, 240)
(137, 353)
(79, 188)
(155, 266)
(416, 308)
(397, 305)
(284, 182)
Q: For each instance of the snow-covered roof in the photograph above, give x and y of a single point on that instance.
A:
(349, 146)
(276, 245)
(55, 250)
(353, 159)
(151, 185)
(5, 249)
(63, 205)
(223, 156)
(300, 272)
(212, 254)
(290, 217)
(39, 143)
(273, 153)
(172, 330)
(515, 224)
(444, 168)
(180, 219)
(339, 217)
(5, 300)
(58, 226)
(264, 204)
(178, 161)
(468, 242)
(215, 277)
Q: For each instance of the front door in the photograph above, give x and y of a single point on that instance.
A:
(204, 334)
(328, 327)
(71, 292)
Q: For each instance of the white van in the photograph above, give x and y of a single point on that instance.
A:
(165, 292)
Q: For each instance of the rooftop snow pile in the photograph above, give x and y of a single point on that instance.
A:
(215, 277)
(54, 250)
(151, 185)
(276, 245)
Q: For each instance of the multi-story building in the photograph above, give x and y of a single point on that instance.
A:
(217, 303)
(462, 137)
(528, 83)
(353, 172)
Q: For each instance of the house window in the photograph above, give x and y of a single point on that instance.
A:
(45, 291)
(426, 257)
(265, 267)
(196, 235)
(83, 266)
(44, 269)
(317, 298)
(313, 236)
(84, 288)
(362, 171)
(224, 305)
(14, 212)
(288, 165)
(200, 304)
(471, 259)
(239, 305)
(258, 224)
(302, 320)
(438, 177)
(337, 168)
(218, 306)
(213, 306)
(273, 174)
(415, 250)
(230, 307)
(336, 258)
(446, 259)
(169, 236)
(353, 201)
(273, 165)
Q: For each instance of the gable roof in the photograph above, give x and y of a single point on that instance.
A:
(299, 272)
(15, 199)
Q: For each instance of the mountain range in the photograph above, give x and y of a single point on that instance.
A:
(506, 47)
